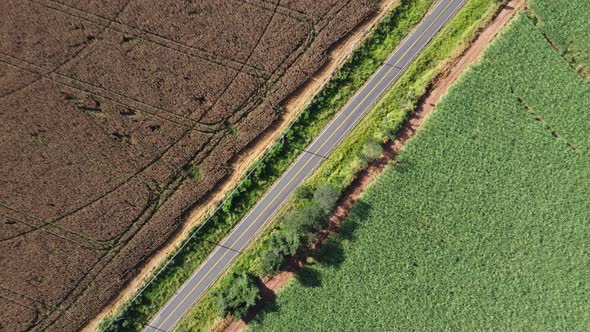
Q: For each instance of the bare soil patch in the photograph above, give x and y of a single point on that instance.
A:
(104, 109)
(452, 71)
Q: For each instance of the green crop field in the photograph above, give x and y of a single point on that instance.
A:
(565, 25)
(483, 223)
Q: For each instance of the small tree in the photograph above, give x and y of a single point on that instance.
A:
(313, 216)
(372, 150)
(326, 196)
(304, 192)
(307, 218)
(285, 243)
(280, 246)
(270, 262)
(239, 296)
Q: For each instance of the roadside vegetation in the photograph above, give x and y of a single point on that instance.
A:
(362, 63)
(482, 221)
(307, 211)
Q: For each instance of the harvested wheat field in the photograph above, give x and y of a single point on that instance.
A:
(117, 117)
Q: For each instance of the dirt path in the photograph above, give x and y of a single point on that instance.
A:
(294, 104)
(453, 71)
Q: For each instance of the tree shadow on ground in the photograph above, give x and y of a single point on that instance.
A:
(402, 167)
(266, 302)
(309, 277)
(358, 214)
(331, 253)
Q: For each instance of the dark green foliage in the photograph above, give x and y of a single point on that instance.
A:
(285, 243)
(299, 226)
(233, 130)
(304, 192)
(308, 218)
(240, 295)
(326, 196)
(270, 262)
(281, 245)
(193, 173)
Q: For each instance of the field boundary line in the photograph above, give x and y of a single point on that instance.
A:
(300, 50)
(46, 224)
(48, 306)
(52, 147)
(537, 22)
(255, 97)
(330, 15)
(300, 16)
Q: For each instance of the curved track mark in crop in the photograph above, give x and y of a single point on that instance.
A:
(111, 22)
(74, 57)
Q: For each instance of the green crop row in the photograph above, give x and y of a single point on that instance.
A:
(482, 222)
(353, 154)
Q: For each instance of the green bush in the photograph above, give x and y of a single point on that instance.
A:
(372, 150)
(240, 296)
(299, 226)
(308, 218)
(285, 243)
(270, 262)
(304, 192)
(326, 196)
(280, 246)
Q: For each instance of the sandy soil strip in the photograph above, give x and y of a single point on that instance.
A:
(294, 104)
(452, 72)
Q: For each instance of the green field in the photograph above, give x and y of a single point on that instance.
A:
(483, 223)
(565, 25)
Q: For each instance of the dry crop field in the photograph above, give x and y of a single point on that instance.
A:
(117, 116)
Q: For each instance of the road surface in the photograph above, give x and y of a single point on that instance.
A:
(247, 229)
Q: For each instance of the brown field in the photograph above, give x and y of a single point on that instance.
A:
(107, 109)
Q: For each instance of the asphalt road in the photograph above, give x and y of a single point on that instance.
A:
(247, 229)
